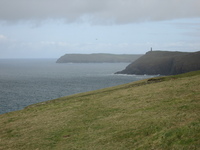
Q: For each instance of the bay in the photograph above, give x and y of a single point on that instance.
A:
(27, 81)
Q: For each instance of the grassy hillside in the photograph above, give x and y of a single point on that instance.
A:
(157, 113)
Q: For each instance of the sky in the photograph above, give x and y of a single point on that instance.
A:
(52, 28)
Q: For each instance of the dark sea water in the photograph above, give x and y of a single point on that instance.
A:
(28, 81)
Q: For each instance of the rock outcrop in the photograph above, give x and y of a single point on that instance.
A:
(164, 63)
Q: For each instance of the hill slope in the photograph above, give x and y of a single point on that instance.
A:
(164, 63)
(157, 113)
(97, 58)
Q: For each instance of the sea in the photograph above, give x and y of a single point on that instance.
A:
(28, 81)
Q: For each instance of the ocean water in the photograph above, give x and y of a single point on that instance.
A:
(27, 81)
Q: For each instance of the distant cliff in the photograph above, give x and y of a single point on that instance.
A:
(97, 58)
(164, 63)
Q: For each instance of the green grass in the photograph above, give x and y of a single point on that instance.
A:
(158, 113)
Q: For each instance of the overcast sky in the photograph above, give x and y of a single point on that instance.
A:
(52, 28)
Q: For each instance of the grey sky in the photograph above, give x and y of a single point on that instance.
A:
(51, 28)
(99, 11)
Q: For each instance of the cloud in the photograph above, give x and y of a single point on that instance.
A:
(98, 11)
(3, 37)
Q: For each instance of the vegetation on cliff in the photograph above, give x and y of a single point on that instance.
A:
(156, 113)
(164, 63)
(97, 58)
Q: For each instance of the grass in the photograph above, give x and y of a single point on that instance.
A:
(158, 113)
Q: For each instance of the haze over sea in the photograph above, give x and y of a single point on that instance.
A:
(27, 81)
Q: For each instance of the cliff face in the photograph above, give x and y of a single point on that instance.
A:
(97, 58)
(164, 63)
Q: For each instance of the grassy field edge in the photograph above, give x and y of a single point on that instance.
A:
(155, 113)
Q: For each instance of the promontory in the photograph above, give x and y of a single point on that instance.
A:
(164, 63)
(98, 58)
